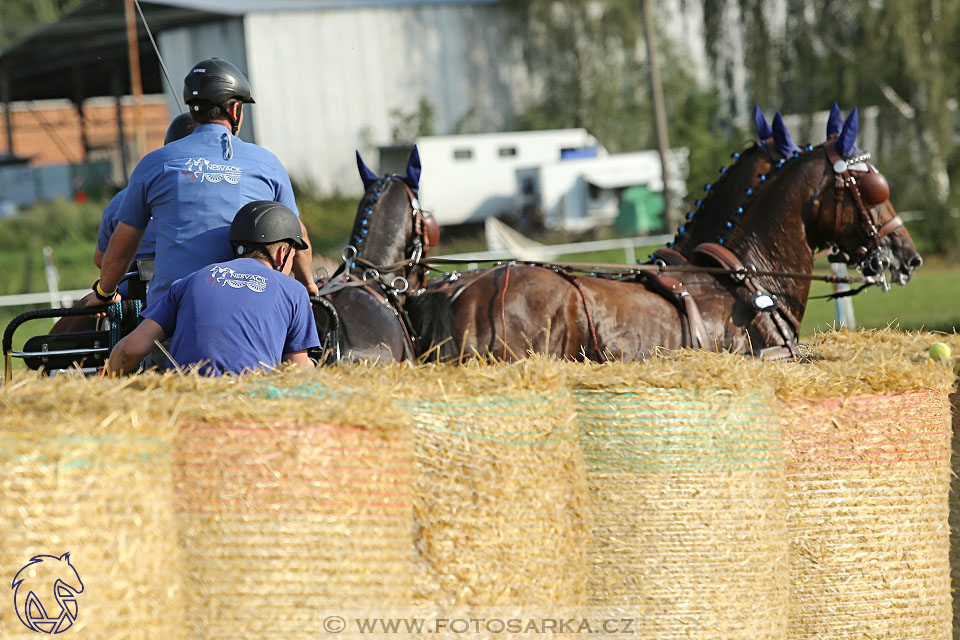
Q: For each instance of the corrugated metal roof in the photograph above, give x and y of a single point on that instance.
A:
(240, 7)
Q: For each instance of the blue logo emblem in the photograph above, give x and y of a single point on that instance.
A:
(45, 593)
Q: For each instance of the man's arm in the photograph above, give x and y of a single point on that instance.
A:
(98, 258)
(298, 358)
(303, 265)
(134, 347)
(118, 257)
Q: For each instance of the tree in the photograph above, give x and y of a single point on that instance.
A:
(900, 56)
(19, 17)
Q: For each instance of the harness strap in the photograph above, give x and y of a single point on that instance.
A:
(669, 256)
(783, 320)
(676, 292)
(503, 309)
(569, 277)
(890, 226)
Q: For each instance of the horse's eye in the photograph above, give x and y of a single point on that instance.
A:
(873, 188)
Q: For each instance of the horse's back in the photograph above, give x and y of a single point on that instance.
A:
(511, 311)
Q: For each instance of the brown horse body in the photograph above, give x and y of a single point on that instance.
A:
(511, 310)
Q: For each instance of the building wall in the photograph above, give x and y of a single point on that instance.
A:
(329, 81)
(184, 47)
(48, 131)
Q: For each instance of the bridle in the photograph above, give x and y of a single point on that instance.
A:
(872, 258)
(357, 271)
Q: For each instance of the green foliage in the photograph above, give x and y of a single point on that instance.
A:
(408, 126)
(19, 17)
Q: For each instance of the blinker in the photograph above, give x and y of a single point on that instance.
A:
(839, 166)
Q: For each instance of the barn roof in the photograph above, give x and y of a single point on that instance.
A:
(84, 53)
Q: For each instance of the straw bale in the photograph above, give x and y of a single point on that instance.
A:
(867, 486)
(289, 503)
(689, 496)
(85, 468)
(955, 509)
(500, 504)
(874, 361)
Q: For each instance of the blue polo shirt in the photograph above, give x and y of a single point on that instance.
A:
(235, 315)
(108, 224)
(192, 188)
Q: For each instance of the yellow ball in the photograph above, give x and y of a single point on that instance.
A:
(939, 351)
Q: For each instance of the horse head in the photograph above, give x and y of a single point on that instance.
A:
(853, 214)
(391, 231)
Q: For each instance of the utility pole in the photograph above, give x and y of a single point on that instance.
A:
(136, 85)
(659, 112)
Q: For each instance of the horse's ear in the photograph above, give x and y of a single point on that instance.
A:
(368, 177)
(834, 122)
(781, 137)
(845, 141)
(65, 557)
(413, 169)
(763, 129)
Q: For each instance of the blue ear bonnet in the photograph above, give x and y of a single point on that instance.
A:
(763, 129)
(413, 172)
(368, 177)
(835, 121)
(781, 137)
(848, 135)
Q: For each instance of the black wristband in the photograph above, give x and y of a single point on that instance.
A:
(102, 298)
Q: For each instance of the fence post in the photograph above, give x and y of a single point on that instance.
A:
(53, 279)
(844, 306)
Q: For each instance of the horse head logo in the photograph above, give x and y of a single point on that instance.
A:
(45, 594)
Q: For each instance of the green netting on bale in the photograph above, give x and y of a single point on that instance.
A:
(500, 504)
(689, 508)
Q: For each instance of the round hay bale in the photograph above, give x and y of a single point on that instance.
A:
(868, 479)
(291, 504)
(689, 497)
(500, 502)
(868, 471)
(86, 498)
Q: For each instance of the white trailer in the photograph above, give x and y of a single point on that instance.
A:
(577, 194)
(467, 178)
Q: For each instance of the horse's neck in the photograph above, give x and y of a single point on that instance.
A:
(722, 200)
(387, 233)
(773, 237)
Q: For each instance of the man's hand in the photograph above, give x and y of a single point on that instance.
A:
(93, 301)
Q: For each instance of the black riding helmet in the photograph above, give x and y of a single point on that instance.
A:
(264, 222)
(214, 81)
(180, 127)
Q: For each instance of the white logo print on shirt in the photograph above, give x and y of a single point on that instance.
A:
(225, 276)
(202, 170)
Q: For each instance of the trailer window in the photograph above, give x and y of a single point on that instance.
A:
(507, 152)
(462, 154)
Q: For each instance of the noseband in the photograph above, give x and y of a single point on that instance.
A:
(868, 255)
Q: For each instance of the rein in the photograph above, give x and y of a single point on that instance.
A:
(622, 269)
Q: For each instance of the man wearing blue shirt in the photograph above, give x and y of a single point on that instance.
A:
(191, 189)
(233, 316)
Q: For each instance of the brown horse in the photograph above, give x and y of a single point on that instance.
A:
(827, 196)
(368, 309)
